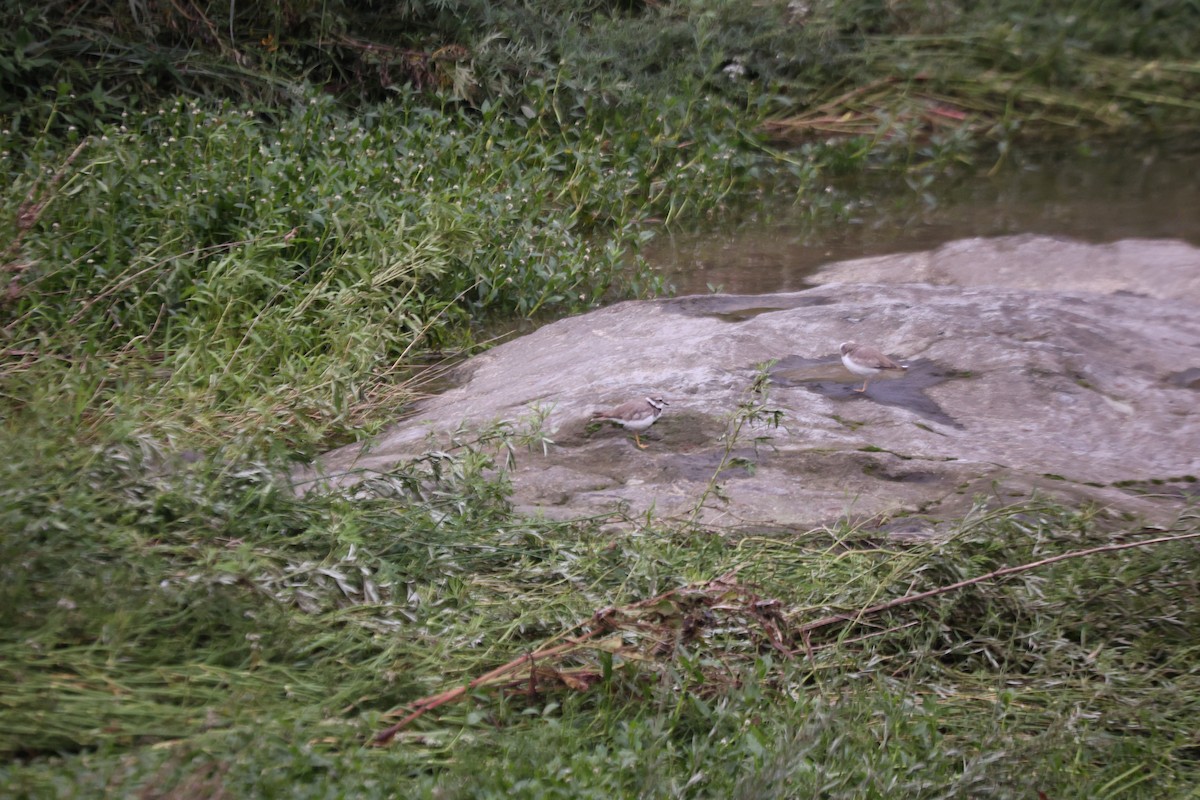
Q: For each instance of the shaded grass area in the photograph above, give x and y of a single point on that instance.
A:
(202, 627)
(910, 79)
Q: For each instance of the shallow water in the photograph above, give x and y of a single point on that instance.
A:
(1107, 193)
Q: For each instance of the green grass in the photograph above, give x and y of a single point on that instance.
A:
(160, 624)
(930, 81)
(212, 270)
(275, 278)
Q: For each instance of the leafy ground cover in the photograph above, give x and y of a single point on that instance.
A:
(211, 267)
(204, 633)
(280, 274)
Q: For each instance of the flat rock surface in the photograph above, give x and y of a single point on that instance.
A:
(1086, 389)
(1162, 268)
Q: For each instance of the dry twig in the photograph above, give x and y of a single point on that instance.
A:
(824, 622)
(713, 596)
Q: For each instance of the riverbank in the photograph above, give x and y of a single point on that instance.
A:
(201, 287)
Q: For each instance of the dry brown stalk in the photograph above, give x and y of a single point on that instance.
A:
(602, 621)
(764, 611)
(28, 214)
(843, 99)
(808, 627)
(865, 111)
(427, 704)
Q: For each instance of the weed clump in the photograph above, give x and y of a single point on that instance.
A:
(314, 258)
(1026, 652)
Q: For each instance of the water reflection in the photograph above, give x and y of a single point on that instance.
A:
(828, 378)
(1107, 193)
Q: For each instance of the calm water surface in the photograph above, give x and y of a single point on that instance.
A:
(1112, 192)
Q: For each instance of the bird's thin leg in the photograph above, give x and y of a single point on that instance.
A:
(638, 442)
(864, 386)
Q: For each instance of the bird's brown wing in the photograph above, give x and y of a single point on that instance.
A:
(625, 410)
(870, 357)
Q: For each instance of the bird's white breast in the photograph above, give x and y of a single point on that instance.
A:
(858, 369)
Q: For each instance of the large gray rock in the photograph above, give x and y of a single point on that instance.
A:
(1080, 394)
(1162, 268)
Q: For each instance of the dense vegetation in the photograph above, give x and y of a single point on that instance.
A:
(234, 234)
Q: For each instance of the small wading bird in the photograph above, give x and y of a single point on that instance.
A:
(865, 360)
(636, 415)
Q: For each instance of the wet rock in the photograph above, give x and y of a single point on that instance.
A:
(1071, 390)
(1162, 268)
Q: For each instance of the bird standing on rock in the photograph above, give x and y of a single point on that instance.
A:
(862, 359)
(635, 415)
